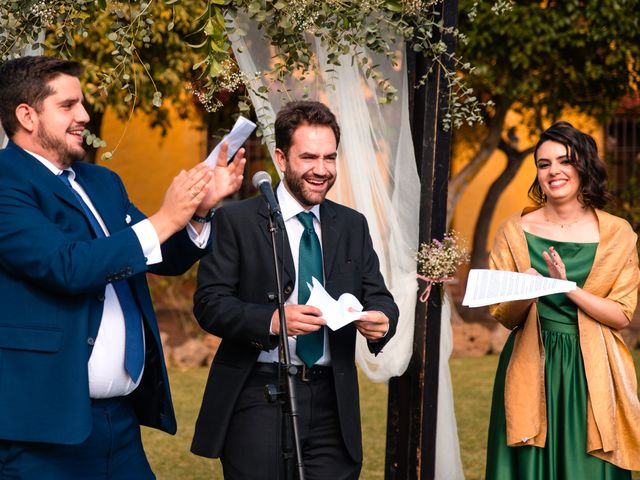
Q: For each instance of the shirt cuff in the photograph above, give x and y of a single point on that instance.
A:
(149, 241)
(201, 239)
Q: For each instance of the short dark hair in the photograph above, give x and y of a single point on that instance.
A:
(582, 151)
(296, 114)
(25, 80)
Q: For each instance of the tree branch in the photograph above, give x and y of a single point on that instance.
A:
(459, 183)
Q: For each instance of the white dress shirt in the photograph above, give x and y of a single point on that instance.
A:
(107, 375)
(290, 207)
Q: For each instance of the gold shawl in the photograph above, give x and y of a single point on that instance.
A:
(613, 409)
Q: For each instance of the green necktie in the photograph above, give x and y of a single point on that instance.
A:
(309, 347)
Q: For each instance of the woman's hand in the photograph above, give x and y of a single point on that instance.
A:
(555, 264)
(601, 309)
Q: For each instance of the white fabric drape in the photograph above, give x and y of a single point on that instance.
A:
(377, 176)
(448, 461)
(376, 168)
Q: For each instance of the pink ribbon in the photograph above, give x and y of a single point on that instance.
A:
(424, 296)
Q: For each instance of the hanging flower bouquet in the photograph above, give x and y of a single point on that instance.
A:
(439, 260)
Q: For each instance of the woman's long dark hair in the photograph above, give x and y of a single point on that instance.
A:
(582, 151)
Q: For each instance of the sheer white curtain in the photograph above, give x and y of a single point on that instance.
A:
(377, 176)
(376, 168)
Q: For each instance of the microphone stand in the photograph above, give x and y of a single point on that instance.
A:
(286, 394)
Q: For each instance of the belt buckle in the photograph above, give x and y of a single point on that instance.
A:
(305, 373)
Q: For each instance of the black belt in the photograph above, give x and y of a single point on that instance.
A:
(303, 373)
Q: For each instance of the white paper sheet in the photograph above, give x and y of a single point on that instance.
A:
(235, 138)
(486, 287)
(335, 312)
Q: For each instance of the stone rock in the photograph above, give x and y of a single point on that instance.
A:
(456, 318)
(470, 340)
(192, 353)
(498, 338)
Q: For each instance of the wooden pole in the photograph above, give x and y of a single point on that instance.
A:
(413, 406)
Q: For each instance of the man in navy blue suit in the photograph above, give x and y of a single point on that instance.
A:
(81, 364)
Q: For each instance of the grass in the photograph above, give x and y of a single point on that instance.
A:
(170, 457)
(472, 387)
(472, 382)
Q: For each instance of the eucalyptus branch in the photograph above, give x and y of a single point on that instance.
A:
(344, 28)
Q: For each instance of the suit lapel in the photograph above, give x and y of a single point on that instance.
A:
(330, 236)
(97, 191)
(281, 236)
(43, 176)
(47, 180)
(102, 199)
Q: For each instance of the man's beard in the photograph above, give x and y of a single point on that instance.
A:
(66, 155)
(296, 186)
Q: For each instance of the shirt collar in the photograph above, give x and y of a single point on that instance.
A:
(52, 168)
(290, 207)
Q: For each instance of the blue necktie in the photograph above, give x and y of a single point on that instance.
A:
(134, 343)
(309, 347)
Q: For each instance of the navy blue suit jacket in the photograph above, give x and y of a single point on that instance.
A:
(53, 274)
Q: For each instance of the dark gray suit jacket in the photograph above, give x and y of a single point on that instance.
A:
(232, 302)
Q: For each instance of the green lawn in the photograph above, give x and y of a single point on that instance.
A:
(170, 457)
(472, 380)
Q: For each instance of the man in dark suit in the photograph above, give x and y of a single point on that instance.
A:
(81, 363)
(236, 423)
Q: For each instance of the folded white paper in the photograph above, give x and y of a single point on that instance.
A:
(486, 287)
(335, 312)
(235, 138)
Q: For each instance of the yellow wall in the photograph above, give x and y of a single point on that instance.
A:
(147, 161)
(514, 198)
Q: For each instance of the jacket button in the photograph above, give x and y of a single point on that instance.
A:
(288, 289)
(91, 341)
(100, 297)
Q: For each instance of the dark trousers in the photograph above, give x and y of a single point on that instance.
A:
(113, 451)
(253, 444)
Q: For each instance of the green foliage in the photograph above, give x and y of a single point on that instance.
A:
(347, 27)
(543, 59)
(627, 205)
(547, 56)
(139, 53)
(135, 54)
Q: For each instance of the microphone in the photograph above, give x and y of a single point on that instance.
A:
(262, 181)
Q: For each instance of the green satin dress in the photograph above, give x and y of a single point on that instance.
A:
(564, 457)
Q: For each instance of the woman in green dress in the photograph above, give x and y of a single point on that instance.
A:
(565, 402)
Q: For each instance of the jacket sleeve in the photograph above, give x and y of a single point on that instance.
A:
(179, 253)
(375, 295)
(51, 246)
(224, 303)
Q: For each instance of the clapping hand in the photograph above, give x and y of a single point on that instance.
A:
(555, 264)
(226, 179)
